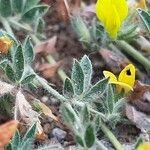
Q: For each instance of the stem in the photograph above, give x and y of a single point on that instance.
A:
(134, 53)
(100, 145)
(7, 26)
(111, 137)
(45, 85)
(51, 60)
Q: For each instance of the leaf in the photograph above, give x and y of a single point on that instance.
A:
(17, 5)
(31, 133)
(28, 51)
(68, 90)
(29, 4)
(79, 140)
(30, 14)
(69, 114)
(47, 111)
(28, 79)
(39, 25)
(110, 99)
(5, 8)
(85, 115)
(87, 70)
(145, 17)
(3, 64)
(77, 78)
(10, 73)
(89, 136)
(47, 47)
(19, 62)
(97, 89)
(26, 145)
(15, 141)
(6, 132)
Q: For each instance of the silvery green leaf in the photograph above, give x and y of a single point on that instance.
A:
(77, 78)
(68, 90)
(28, 51)
(10, 73)
(89, 136)
(18, 62)
(5, 8)
(29, 16)
(145, 17)
(97, 90)
(16, 141)
(110, 99)
(17, 5)
(86, 66)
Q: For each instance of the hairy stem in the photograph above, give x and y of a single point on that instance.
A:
(52, 91)
(111, 137)
(134, 53)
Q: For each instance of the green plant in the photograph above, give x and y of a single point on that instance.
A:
(145, 17)
(27, 16)
(94, 37)
(25, 143)
(78, 92)
(22, 15)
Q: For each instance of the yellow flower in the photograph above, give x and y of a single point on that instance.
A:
(112, 13)
(5, 44)
(144, 146)
(126, 79)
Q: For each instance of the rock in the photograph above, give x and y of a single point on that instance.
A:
(59, 134)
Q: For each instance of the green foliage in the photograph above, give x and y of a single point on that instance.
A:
(5, 8)
(77, 78)
(84, 130)
(145, 17)
(22, 14)
(68, 89)
(17, 66)
(79, 86)
(81, 29)
(89, 136)
(28, 51)
(25, 143)
(18, 62)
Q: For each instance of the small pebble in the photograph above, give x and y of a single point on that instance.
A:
(59, 134)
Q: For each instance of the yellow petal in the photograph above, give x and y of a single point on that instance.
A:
(112, 77)
(122, 87)
(113, 22)
(122, 8)
(127, 75)
(144, 146)
(102, 7)
(112, 13)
